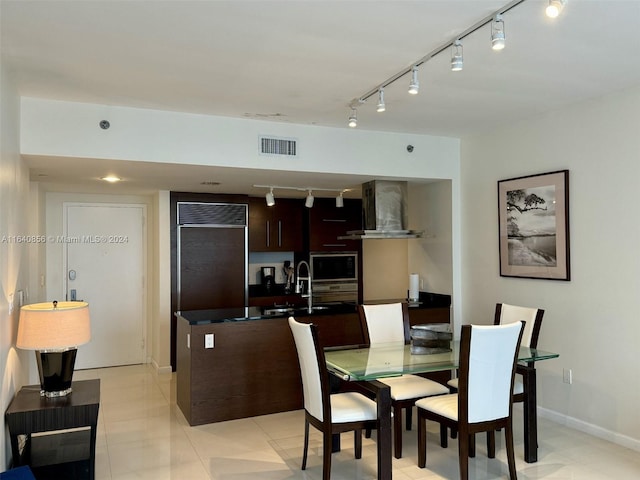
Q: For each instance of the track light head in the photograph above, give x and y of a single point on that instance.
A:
(339, 201)
(456, 56)
(309, 200)
(381, 107)
(554, 8)
(497, 33)
(271, 201)
(353, 118)
(414, 86)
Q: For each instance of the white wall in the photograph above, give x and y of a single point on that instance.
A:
(15, 200)
(592, 321)
(160, 284)
(71, 129)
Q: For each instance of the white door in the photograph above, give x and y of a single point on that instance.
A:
(104, 265)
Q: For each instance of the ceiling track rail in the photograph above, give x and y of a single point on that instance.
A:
(444, 46)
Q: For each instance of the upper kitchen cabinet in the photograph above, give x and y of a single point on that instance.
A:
(277, 228)
(326, 222)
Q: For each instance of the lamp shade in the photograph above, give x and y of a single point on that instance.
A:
(53, 326)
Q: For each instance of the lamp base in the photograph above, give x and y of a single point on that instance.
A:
(56, 371)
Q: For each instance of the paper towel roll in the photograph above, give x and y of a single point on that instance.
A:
(414, 287)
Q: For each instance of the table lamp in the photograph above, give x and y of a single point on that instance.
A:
(54, 330)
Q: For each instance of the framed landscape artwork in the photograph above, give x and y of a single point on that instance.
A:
(533, 217)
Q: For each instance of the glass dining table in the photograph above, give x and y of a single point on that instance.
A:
(367, 364)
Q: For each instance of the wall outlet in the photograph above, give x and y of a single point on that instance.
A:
(567, 376)
(208, 340)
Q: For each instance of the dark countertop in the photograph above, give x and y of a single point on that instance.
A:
(243, 314)
(425, 300)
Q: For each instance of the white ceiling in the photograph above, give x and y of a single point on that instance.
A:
(303, 62)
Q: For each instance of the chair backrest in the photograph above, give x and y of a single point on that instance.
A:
(488, 356)
(315, 383)
(506, 313)
(386, 322)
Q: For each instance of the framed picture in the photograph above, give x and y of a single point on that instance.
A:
(533, 217)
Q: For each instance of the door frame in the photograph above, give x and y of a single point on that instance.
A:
(146, 358)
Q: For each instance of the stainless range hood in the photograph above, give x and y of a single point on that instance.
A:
(384, 205)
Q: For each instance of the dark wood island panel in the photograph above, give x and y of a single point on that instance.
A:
(252, 369)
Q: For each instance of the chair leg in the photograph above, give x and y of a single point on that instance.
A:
(397, 431)
(454, 432)
(326, 455)
(472, 445)
(357, 443)
(367, 433)
(422, 441)
(491, 444)
(408, 419)
(511, 458)
(463, 455)
(306, 444)
(443, 436)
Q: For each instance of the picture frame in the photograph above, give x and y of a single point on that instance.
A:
(533, 221)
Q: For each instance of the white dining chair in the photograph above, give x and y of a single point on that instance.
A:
(488, 357)
(385, 323)
(505, 314)
(330, 413)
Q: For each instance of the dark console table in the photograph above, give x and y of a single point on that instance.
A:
(70, 424)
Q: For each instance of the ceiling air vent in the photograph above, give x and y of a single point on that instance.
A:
(278, 146)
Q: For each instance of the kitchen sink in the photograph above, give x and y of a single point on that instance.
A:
(291, 310)
(277, 311)
(315, 308)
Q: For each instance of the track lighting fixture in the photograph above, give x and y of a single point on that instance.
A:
(497, 33)
(381, 106)
(270, 198)
(271, 201)
(456, 56)
(498, 41)
(353, 118)
(554, 8)
(309, 200)
(414, 86)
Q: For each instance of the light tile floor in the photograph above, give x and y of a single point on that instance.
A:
(143, 435)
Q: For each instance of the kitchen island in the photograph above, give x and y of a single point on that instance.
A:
(251, 365)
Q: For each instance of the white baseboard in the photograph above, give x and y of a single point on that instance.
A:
(161, 370)
(614, 437)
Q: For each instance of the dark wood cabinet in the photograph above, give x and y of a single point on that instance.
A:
(277, 228)
(326, 222)
(253, 368)
(421, 316)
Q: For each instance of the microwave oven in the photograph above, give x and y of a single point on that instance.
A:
(334, 267)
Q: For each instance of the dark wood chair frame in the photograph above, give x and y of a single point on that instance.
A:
(396, 405)
(328, 428)
(467, 431)
(517, 398)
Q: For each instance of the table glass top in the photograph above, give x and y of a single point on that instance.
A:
(393, 359)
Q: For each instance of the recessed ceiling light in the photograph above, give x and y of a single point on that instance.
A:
(111, 179)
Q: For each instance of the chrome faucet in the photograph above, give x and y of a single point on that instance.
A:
(300, 287)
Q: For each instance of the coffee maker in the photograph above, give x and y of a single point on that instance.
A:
(268, 278)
